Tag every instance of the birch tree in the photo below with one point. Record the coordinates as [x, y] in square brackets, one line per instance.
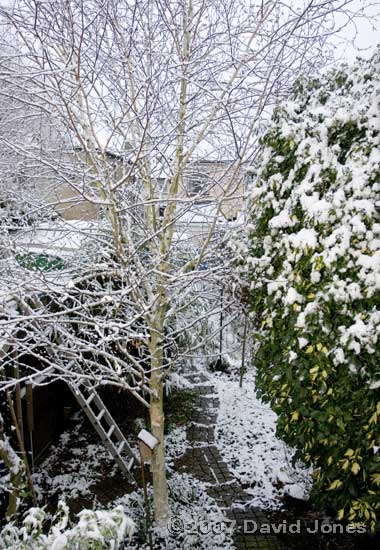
[136, 99]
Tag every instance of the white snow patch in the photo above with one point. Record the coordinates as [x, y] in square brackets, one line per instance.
[147, 438]
[306, 238]
[246, 438]
[282, 220]
[191, 508]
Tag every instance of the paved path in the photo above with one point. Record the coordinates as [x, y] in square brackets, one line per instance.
[203, 460]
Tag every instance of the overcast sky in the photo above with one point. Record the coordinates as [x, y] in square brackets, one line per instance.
[366, 33]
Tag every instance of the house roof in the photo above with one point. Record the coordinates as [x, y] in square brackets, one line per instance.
[54, 238]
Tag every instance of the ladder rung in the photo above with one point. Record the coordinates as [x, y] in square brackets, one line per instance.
[110, 431]
[100, 415]
[117, 446]
[89, 399]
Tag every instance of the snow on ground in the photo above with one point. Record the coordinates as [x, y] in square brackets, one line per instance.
[196, 520]
[175, 444]
[83, 465]
[245, 435]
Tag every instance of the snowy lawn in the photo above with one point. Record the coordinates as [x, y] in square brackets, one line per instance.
[246, 437]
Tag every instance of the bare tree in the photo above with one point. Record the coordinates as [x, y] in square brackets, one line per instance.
[143, 98]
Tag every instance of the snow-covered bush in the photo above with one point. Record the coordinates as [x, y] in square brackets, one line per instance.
[196, 521]
[312, 255]
[95, 529]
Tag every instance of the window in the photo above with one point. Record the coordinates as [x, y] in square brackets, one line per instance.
[196, 183]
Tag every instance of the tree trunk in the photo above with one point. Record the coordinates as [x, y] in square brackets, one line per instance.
[157, 421]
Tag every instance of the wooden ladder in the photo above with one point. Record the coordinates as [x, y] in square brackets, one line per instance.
[106, 427]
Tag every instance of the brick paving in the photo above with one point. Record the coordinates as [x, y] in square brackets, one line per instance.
[203, 460]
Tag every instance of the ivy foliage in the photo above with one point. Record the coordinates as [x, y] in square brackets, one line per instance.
[312, 258]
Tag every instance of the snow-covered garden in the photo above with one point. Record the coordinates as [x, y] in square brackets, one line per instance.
[189, 276]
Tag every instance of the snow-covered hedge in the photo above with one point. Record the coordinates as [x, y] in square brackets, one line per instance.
[312, 255]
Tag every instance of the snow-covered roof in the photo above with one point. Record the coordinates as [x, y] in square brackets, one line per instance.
[60, 239]
[147, 438]
[200, 213]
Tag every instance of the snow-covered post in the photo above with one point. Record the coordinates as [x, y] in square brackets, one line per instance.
[221, 329]
[243, 349]
[21, 446]
[147, 445]
[16, 471]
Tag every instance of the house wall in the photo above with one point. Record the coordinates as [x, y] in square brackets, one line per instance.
[223, 184]
[73, 200]
[72, 206]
